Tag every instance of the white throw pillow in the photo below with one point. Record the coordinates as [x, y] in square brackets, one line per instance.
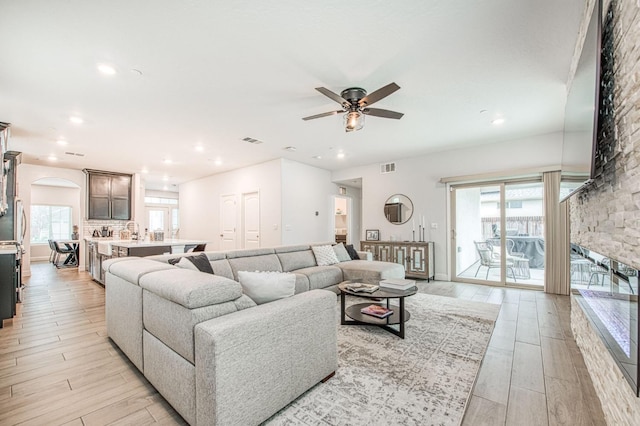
[263, 287]
[325, 255]
[186, 264]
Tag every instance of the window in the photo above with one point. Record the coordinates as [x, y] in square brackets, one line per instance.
[50, 223]
[161, 200]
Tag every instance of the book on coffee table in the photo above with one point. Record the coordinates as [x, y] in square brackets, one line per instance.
[397, 284]
[361, 287]
[376, 311]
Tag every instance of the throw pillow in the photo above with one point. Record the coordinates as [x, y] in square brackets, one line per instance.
[341, 252]
[352, 252]
[324, 255]
[197, 263]
[263, 287]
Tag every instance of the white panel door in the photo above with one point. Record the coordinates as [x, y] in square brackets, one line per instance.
[228, 219]
[251, 219]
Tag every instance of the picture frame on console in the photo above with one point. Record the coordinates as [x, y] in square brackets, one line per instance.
[372, 235]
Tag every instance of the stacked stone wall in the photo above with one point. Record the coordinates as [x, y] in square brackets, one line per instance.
[606, 216]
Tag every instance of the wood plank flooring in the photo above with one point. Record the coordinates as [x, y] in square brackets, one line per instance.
[58, 367]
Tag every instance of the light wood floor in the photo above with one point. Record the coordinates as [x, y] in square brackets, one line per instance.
[58, 367]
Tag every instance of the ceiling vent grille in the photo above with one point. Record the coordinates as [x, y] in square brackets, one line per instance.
[252, 140]
[387, 168]
[77, 154]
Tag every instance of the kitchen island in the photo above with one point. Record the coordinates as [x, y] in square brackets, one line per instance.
[101, 249]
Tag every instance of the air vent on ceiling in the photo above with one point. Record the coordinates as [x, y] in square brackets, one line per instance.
[289, 148]
[77, 154]
[252, 140]
[387, 168]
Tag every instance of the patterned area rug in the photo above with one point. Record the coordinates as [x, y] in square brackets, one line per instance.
[425, 379]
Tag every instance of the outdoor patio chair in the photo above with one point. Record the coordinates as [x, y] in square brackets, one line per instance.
[489, 259]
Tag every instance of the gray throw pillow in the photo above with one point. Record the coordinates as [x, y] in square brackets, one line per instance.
[341, 252]
[199, 262]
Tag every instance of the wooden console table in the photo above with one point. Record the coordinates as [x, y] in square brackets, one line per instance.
[416, 257]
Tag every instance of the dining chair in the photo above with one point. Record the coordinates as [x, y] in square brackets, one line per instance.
[70, 260]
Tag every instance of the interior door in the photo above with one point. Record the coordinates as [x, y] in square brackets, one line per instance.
[228, 222]
[251, 219]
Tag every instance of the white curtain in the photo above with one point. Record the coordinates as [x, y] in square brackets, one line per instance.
[556, 235]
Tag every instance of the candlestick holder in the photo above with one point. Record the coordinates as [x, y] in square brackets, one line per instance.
[414, 235]
[420, 233]
[423, 237]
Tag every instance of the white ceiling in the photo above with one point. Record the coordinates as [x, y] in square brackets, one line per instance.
[214, 72]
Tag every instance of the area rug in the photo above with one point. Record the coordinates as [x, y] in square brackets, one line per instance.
[425, 379]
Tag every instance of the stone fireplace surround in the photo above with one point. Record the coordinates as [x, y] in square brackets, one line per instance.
[605, 217]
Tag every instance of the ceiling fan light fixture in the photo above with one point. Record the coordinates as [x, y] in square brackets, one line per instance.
[353, 121]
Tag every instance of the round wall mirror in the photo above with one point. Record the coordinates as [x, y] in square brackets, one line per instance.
[398, 209]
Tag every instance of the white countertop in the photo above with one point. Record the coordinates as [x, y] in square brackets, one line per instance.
[8, 249]
[165, 242]
[105, 244]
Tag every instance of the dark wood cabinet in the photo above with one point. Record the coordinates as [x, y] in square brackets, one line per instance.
[109, 195]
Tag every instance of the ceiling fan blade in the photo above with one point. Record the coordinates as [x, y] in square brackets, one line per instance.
[384, 113]
[381, 93]
[324, 114]
[329, 94]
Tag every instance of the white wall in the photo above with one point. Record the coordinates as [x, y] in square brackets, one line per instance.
[54, 196]
[305, 191]
[199, 202]
[27, 174]
[418, 178]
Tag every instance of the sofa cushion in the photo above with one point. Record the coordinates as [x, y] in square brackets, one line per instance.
[191, 289]
[325, 255]
[264, 287]
[133, 269]
[297, 259]
[173, 323]
[353, 254]
[266, 262]
[370, 271]
[322, 276]
[341, 252]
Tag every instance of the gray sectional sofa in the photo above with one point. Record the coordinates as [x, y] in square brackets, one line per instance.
[216, 356]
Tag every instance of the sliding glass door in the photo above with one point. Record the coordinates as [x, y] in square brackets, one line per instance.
[498, 233]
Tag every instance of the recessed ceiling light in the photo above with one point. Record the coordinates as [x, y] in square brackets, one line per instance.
[218, 162]
[165, 187]
[199, 148]
[76, 120]
[52, 158]
[62, 142]
[136, 71]
[317, 157]
[144, 171]
[289, 148]
[165, 178]
[340, 155]
[167, 161]
[106, 69]
[498, 121]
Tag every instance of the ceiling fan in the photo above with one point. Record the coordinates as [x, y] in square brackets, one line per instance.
[355, 104]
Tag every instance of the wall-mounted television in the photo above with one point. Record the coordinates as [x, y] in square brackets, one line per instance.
[582, 111]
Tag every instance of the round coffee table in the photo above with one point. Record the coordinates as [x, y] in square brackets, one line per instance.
[399, 317]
